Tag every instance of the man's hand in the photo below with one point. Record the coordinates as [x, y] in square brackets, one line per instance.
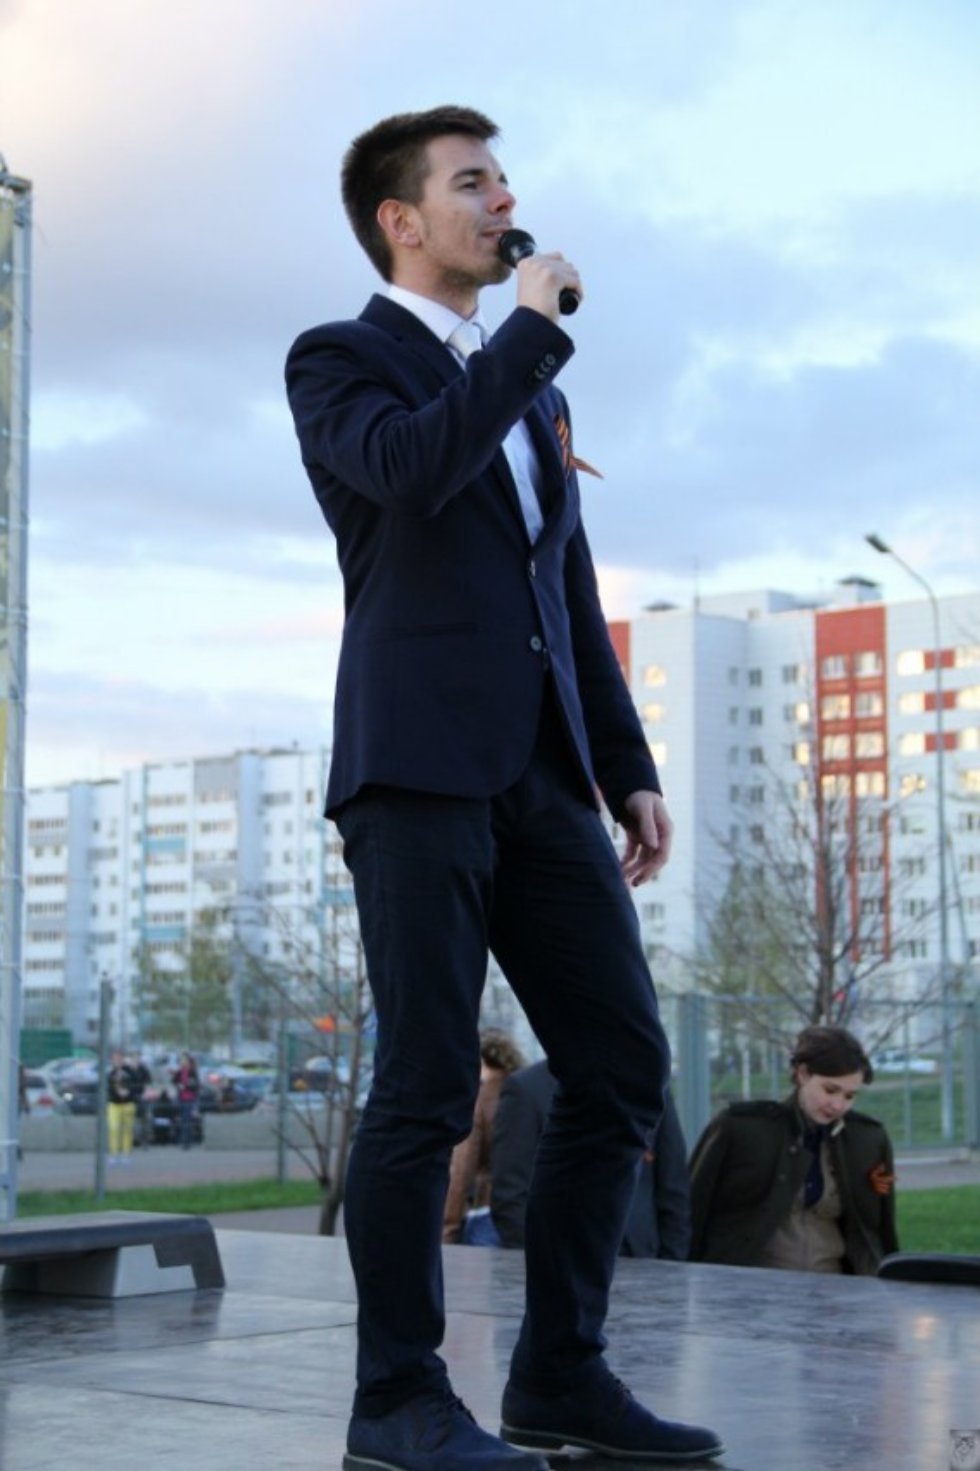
[648, 833]
[541, 280]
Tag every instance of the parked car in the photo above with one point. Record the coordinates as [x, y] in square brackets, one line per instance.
[79, 1093]
[42, 1096]
[897, 1060]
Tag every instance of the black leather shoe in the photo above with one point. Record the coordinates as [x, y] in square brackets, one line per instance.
[601, 1415]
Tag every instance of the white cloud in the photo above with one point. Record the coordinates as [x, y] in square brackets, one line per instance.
[775, 205]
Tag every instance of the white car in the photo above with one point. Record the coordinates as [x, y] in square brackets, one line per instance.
[42, 1096]
[897, 1060]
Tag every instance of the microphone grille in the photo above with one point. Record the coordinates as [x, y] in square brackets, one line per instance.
[514, 245]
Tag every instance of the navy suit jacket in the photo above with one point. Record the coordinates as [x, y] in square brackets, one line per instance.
[453, 620]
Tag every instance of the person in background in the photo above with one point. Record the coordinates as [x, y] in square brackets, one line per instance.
[141, 1081]
[659, 1221]
[467, 1216]
[23, 1101]
[188, 1087]
[806, 1183]
[121, 1109]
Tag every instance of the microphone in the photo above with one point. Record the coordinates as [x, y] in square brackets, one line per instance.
[517, 245]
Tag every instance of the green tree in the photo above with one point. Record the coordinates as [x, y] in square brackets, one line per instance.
[187, 1003]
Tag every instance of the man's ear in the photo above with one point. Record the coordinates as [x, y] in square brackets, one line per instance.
[399, 221]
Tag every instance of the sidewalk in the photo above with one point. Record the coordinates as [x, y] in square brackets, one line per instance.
[160, 1164]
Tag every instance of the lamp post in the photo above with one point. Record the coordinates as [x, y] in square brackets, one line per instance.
[945, 989]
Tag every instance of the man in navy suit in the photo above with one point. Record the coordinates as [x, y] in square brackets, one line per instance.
[479, 709]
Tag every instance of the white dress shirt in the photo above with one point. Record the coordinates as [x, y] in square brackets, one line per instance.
[518, 446]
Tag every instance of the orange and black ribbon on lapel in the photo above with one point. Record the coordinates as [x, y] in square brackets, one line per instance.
[572, 462]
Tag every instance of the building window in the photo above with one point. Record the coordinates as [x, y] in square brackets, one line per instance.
[967, 656]
[867, 663]
[968, 698]
[654, 676]
[755, 678]
[658, 750]
[835, 707]
[757, 833]
[653, 714]
[835, 786]
[969, 739]
[732, 675]
[910, 661]
[913, 702]
[757, 756]
[836, 747]
[755, 716]
[801, 753]
[792, 674]
[869, 744]
[868, 705]
[911, 783]
[912, 743]
[834, 666]
[870, 784]
[970, 782]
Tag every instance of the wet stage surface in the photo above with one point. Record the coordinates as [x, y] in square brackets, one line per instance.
[796, 1373]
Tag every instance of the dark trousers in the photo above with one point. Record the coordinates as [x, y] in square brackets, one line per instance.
[532, 876]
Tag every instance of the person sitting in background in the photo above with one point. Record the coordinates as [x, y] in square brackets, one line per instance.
[466, 1218]
[805, 1184]
[659, 1221]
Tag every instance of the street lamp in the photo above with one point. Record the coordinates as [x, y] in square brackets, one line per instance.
[945, 989]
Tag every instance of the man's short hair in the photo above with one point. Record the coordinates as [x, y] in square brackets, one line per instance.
[389, 161]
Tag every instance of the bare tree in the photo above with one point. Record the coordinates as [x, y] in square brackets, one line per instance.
[315, 997]
[809, 919]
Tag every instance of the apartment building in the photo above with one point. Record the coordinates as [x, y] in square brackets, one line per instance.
[116, 867]
[742, 698]
[749, 697]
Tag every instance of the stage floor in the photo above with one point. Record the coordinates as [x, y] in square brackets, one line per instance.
[797, 1373]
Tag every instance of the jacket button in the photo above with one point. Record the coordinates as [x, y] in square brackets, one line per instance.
[536, 644]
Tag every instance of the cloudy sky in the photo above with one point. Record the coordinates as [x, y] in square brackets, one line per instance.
[775, 205]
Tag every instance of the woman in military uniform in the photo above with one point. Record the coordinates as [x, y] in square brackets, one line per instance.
[805, 1184]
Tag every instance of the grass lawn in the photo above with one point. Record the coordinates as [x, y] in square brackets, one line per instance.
[197, 1200]
[940, 1220]
[928, 1220]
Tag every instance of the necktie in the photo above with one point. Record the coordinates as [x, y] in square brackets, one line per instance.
[466, 339]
